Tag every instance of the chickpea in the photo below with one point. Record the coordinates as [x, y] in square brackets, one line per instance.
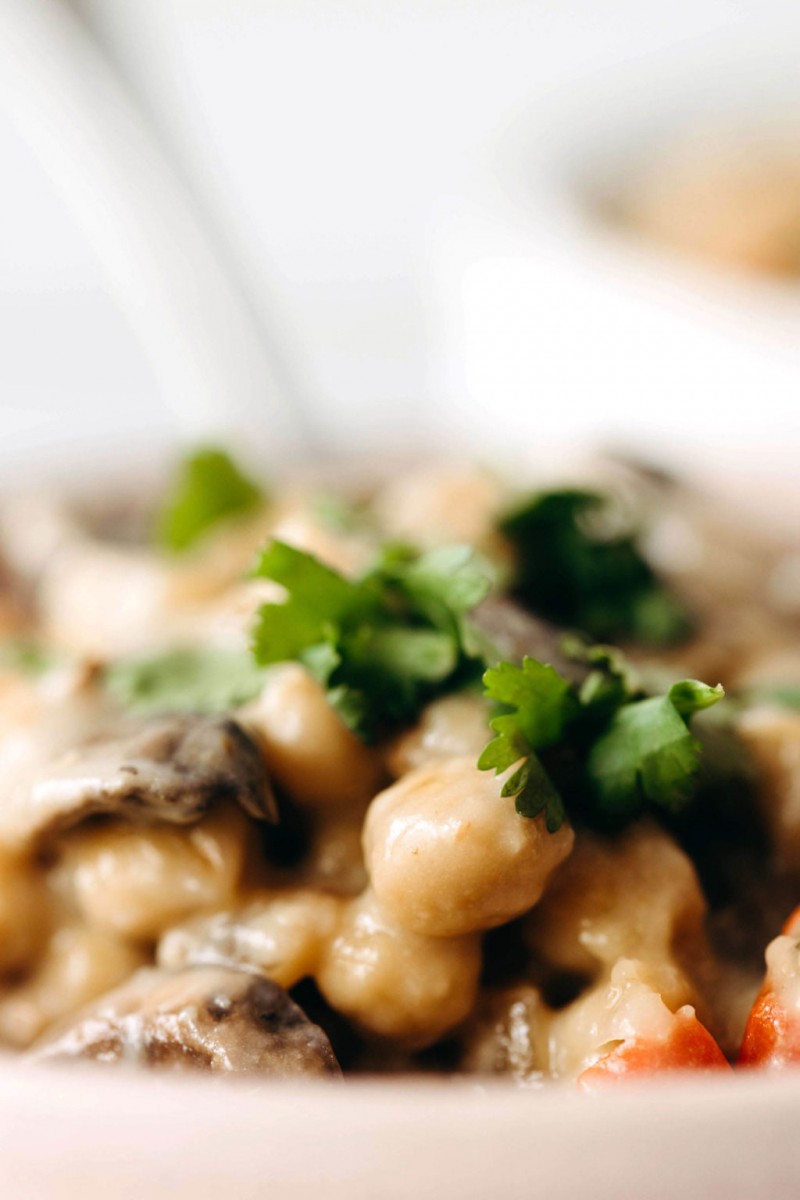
[772, 735]
[12, 617]
[134, 881]
[78, 965]
[101, 599]
[625, 1026]
[310, 752]
[449, 727]
[21, 704]
[429, 506]
[24, 912]
[298, 525]
[282, 933]
[217, 562]
[395, 983]
[335, 859]
[447, 854]
[635, 897]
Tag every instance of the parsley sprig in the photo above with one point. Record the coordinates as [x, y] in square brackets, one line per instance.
[575, 566]
[602, 749]
[381, 645]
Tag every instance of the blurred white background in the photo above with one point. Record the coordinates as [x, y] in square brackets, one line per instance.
[365, 167]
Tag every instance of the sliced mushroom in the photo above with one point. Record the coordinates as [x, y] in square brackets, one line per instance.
[168, 769]
[214, 1018]
[507, 1035]
[514, 633]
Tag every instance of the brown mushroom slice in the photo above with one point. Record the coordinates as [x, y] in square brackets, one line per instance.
[507, 1035]
[168, 769]
[514, 633]
[214, 1018]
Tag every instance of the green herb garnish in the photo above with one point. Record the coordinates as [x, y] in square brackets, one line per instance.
[647, 754]
[382, 645]
[340, 514]
[208, 487]
[606, 750]
[540, 705]
[576, 569]
[28, 656]
[185, 679]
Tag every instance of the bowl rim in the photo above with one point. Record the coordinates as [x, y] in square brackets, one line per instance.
[731, 1137]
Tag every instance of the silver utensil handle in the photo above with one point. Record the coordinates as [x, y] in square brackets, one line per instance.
[202, 342]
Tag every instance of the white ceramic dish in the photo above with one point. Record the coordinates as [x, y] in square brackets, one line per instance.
[81, 1133]
[84, 1134]
[549, 308]
[610, 342]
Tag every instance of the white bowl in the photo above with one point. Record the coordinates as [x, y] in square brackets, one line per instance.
[81, 1132]
[565, 330]
[550, 310]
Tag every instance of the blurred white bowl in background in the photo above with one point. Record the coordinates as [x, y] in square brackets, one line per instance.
[561, 323]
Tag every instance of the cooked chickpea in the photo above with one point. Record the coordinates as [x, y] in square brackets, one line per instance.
[12, 618]
[284, 934]
[134, 881]
[626, 1007]
[78, 965]
[335, 860]
[636, 897]
[772, 735]
[449, 727]
[310, 752]
[447, 854]
[371, 895]
[298, 525]
[100, 599]
[217, 562]
[23, 912]
[395, 983]
[429, 506]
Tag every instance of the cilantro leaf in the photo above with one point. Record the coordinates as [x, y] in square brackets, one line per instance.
[648, 754]
[319, 598]
[340, 514]
[609, 749]
[536, 793]
[542, 702]
[575, 568]
[28, 656]
[208, 486]
[185, 679]
[690, 696]
[540, 705]
[445, 583]
[382, 645]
